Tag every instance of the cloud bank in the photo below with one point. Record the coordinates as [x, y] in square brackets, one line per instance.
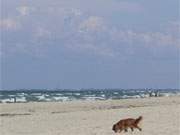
[37, 29]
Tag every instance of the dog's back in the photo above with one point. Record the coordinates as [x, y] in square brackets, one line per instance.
[127, 123]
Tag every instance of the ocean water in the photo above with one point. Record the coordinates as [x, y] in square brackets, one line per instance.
[11, 96]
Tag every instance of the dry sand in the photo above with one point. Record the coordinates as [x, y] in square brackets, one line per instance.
[161, 117]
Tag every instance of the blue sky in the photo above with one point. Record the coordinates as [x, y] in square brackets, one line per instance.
[89, 44]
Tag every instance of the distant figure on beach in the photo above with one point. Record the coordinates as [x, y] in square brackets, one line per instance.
[124, 124]
[14, 99]
[157, 93]
[154, 93]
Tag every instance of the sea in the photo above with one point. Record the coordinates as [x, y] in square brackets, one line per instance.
[63, 95]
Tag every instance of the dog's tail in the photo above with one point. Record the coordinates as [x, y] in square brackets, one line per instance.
[138, 119]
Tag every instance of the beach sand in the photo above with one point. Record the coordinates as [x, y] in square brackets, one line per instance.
[161, 117]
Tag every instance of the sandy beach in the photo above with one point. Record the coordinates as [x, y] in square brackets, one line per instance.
[161, 117]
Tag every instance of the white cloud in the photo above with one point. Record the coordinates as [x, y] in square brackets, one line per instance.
[173, 28]
[93, 23]
[158, 39]
[147, 39]
[81, 31]
[42, 32]
[76, 12]
[9, 24]
[24, 10]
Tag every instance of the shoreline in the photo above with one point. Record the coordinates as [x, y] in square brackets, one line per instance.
[89, 95]
[94, 117]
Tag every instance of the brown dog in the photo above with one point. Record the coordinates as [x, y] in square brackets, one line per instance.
[124, 124]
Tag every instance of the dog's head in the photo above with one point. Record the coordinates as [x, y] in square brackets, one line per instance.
[115, 128]
[140, 117]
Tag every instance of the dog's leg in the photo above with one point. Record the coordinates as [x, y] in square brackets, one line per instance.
[125, 129]
[120, 130]
[136, 126]
[139, 128]
[132, 129]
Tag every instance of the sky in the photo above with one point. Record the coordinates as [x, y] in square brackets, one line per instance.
[49, 44]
